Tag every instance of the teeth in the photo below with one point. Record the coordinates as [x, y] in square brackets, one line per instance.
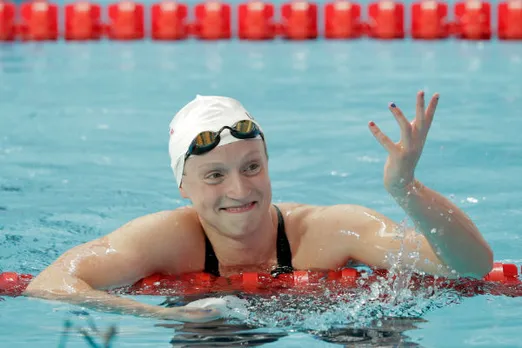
[240, 207]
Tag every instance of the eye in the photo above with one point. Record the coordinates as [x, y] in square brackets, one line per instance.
[253, 168]
[214, 177]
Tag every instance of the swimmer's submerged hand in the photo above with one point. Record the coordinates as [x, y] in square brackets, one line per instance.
[188, 314]
[403, 156]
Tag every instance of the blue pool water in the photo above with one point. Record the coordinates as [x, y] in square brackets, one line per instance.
[83, 149]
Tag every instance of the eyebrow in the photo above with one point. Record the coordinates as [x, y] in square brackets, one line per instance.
[211, 164]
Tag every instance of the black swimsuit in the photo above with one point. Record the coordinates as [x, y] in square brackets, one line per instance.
[284, 254]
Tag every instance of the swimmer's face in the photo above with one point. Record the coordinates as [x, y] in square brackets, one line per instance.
[229, 186]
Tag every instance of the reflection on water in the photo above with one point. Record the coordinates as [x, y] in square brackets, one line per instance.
[350, 319]
[219, 334]
[387, 333]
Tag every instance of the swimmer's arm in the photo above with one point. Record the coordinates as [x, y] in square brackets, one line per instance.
[63, 280]
[448, 229]
[357, 233]
[369, 237]
[132, 252]
[85, 295]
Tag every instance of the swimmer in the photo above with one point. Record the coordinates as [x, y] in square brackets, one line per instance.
[220, 162]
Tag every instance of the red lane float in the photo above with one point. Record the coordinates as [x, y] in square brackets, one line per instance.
[39, 21]
[7, 21]
[299, 20]
[126, 21]
[212, 21]
[503, 280]
[255, 21]
[386, 20]
[168, 19]
[473, 20]
[342, 20]
[83, 21]
[510, 20]
[429, 20]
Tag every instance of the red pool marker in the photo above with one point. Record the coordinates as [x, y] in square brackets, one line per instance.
[126, 21]
[299, 20]
[212, 21]
[473, 20]
[429, 20]
[255, 21]
[169, 20]
[509, 20]
[342, 20]
[7, 21]
[504, 273]
[39, 21]
[502, 280]
[386, 19]
[83, 21]
[13, 284]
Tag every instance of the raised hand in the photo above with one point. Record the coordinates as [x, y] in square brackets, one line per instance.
[403, 156]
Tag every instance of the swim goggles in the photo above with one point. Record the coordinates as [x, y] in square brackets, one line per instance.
[207, 140]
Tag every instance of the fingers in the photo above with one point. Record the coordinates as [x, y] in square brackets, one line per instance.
[430, 112]
[403, 123]
[195, 315]
[381, 137]
[419, 112]
[422, 122]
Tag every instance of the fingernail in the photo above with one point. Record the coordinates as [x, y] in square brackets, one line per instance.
[392, 105]
[372, 123]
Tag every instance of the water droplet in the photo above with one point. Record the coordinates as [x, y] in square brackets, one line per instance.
[350, 233]
[414, 255]
[471, 200]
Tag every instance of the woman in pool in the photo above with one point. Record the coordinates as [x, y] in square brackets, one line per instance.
[218, 155]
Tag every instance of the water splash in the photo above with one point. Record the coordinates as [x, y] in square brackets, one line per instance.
[376, 298]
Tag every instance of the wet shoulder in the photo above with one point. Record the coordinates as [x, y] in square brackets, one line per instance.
[178, 236]
[304, 218]
[294, 215]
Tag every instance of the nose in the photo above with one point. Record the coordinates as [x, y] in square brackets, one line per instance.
[239, 187]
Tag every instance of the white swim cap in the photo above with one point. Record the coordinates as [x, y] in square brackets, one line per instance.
[204, 113]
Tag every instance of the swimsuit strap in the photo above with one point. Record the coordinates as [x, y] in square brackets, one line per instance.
[211, 261]
[284, 253]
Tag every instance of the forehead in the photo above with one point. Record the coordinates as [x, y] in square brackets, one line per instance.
[229, 153]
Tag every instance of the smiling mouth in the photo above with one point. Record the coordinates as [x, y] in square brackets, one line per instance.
[240, 209]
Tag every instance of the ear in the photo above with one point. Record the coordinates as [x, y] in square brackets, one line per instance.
[182, 192]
